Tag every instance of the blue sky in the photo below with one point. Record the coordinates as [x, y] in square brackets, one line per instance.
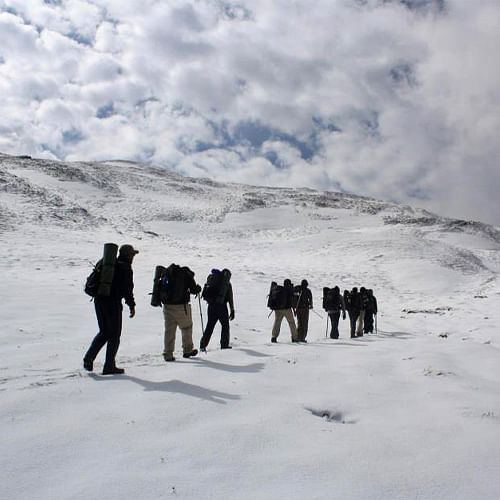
[396, 99]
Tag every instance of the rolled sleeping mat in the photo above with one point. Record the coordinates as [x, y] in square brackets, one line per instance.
[108, 269]
[156, 293]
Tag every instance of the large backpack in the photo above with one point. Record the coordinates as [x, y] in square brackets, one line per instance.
[277, 297]
[212, 286]
[171, 286]
[216, 286]
[331, 300]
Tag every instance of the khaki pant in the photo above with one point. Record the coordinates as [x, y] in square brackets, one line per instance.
[178, 315]
[361, 320]
[279, 314]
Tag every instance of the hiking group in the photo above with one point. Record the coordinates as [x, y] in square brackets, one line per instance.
[111, 281]
[288, 301]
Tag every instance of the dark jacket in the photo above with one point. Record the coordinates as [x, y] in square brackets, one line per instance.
[122, 286]
[305, 300]
[354, 303]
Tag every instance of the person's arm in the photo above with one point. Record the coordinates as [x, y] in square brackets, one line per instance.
[230, 301]
[128, 288]
[194, 288]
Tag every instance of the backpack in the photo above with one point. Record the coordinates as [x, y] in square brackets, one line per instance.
[212, 286]
[93, 280]
[277, 297]
[174, 284]
[331, 300]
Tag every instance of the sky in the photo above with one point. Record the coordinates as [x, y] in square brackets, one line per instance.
[394, 99]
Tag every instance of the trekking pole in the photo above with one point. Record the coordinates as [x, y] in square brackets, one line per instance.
[326, 332]
[317, 314]
[376, 331]
[201, 315]
[270, 313]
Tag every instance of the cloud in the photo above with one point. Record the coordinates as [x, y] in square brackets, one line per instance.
[396, 99]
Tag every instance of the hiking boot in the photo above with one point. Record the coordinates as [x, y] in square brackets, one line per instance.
[226, 346]
[194, 352]
[274, 340]
[88, 364]
[168, 358]
[203, 349]
[295, 341]
[304, 341]
[114, 370]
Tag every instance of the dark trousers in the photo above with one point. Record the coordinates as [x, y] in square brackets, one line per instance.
[216, 312]
[302, 322]
[334, 321]
[109, 319]
[368, 326]
[353, 317]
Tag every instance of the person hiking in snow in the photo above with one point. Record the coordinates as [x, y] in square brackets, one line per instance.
[283, 309]
[370, 310]
[363, 302]
[180, 284]
[304, 302]
[218, 292]
[334, 305]
[108, 310]
[353, 306]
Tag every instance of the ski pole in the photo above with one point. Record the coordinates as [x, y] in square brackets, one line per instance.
[201, 315]
[326, 332]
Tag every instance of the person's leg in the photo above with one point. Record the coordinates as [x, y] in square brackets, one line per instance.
[288, 313]
[334, 319]
[170, 328]
[211, 322]
[115, 323]
[278, 318]
[368, 323]
[305, 324]
[359, 330]
[353, 316]
[185, 322]
[224, 321]
[102, 337]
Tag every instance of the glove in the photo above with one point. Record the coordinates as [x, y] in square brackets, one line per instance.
[231, 316]
[197, 290]
[132, 312]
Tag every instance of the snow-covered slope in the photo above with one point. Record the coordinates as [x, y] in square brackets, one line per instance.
[409, 413]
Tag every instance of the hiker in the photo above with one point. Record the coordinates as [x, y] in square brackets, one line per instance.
[280, 301]
[370, 311]
[304, 302]
[180, 284]
[353, 306]
[108, 310]
[218, 292]
[363, 302]
[334, 305]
